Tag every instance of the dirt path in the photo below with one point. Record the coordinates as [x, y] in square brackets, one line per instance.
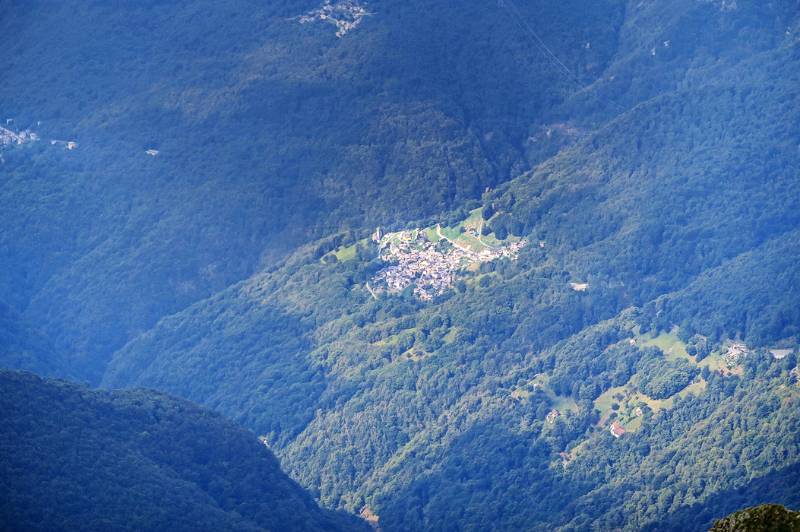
[372, 293]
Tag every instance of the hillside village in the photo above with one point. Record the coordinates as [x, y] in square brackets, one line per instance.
[346, 15]
[431, 266]
[9, 137]
[16, 137]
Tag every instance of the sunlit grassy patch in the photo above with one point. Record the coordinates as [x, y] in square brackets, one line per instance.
[628, 399]
[346, 253]
[560, 402]
[450, 337]
[672, 346]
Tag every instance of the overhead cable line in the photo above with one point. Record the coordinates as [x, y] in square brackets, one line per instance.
[512, 9]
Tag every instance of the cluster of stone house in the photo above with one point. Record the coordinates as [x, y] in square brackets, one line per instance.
[432, 269]
[418, 262]
[346, 15]
[8, 136]
[736, 351]
[69, 144]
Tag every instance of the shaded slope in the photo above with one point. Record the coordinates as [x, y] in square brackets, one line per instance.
[689, 200]
[80, 459]
[270, 134]
[22, 347]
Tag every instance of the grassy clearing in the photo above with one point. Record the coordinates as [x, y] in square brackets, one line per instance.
[629, 398]
[635, 424]
[432, 235]
[467, 233]
[559, 402]
[388, 341]
[576, 451]
[415, 354]
[654, 404]
[608, 398]
[450, 337]
[346, 253]
[696, 388]
[492, 241]
[521, 393]
[715, 362]
[672, 346]
[474, 220]
[471, 242]
[394, 338]
[451, 233]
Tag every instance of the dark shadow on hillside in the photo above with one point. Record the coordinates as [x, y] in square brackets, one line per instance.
[780, 487]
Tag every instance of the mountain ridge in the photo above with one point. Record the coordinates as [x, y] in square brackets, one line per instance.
[134, 460]
[566, 385]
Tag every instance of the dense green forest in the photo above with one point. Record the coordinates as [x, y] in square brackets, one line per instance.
[76, 459]
[654, 191]
[22, 346]
[270, 134]
[454, 438]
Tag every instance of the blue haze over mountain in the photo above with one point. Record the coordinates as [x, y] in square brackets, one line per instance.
[581, 309]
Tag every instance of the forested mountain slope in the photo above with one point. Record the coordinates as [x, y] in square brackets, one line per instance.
[632, 363]
[655, 242]
[76, 459]
[269, 133]
[24, 347]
